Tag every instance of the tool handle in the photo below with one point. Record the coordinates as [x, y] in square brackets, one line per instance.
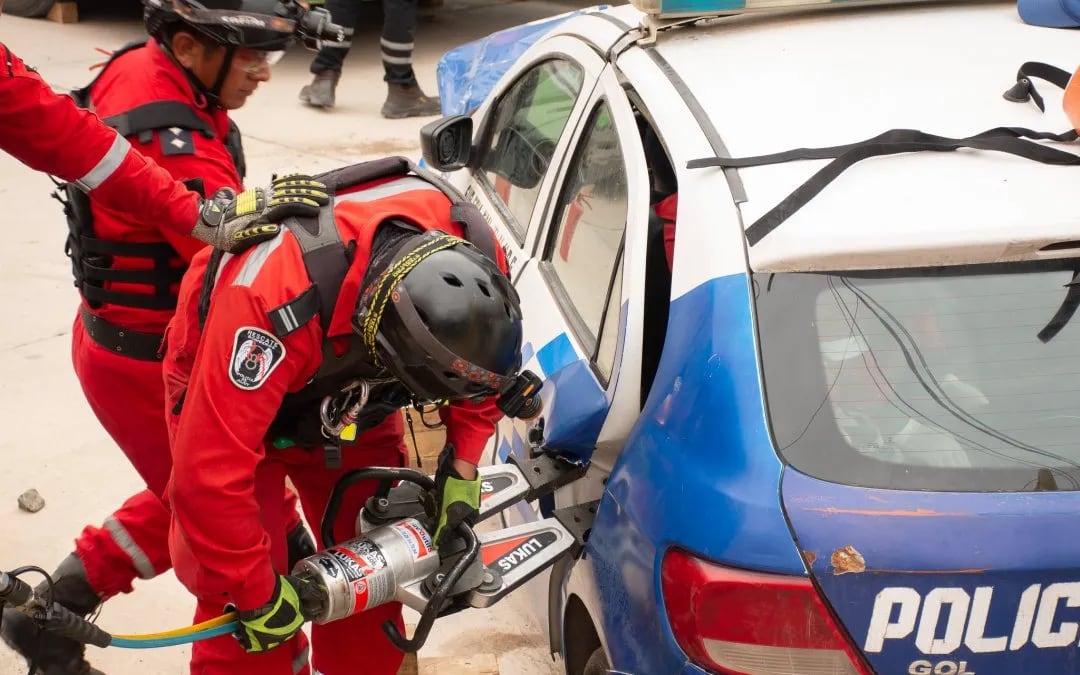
[384, 473]
[14, 592]
[438, 597]
[61, 621]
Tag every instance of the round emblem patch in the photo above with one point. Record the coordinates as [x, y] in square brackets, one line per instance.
[255, 354]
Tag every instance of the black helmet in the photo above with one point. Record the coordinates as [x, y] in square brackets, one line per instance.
[443, 319]
[264, 25]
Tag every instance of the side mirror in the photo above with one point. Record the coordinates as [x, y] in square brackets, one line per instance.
[446, 143]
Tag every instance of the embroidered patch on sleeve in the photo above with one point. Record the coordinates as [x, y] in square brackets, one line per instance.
[255, 354]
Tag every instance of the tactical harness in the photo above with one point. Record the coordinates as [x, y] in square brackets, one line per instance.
[92, 257]
[327, 260]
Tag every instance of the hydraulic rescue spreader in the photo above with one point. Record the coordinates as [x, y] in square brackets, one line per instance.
[392, 558]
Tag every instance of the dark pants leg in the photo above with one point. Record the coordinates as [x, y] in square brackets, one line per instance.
[399, 27]
[344, 13]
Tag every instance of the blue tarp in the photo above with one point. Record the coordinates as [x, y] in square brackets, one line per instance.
[466, 74]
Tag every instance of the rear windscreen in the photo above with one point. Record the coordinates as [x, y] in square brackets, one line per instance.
[959, 378]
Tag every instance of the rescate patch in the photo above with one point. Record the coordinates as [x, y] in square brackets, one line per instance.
[255, 354]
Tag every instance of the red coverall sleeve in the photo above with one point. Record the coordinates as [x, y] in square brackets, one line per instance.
[218, 445]
[48, 132]
[469, 425]
[210, 168]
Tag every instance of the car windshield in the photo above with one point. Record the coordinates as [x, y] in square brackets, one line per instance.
[960, 378]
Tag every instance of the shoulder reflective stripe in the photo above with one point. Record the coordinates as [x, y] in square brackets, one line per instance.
[255, 261]
[122, 539]
[396, 187]
[226, 257]
[107, 166]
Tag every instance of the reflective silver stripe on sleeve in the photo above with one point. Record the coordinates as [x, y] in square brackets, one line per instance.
[107, 166]
[255, 261]
[300, 661]
[122, 539]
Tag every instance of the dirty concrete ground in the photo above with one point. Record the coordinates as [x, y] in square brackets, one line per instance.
[52, 442]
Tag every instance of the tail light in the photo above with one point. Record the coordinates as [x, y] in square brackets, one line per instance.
[745, 623]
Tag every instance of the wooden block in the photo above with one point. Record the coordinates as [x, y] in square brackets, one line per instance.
[409, 666]
[478, 664]
[64, 12]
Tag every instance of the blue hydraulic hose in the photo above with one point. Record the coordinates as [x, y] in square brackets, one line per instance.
[153, 643]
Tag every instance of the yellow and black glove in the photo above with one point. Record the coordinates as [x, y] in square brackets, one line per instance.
[457, 500]
[235, 222]
[266, 627]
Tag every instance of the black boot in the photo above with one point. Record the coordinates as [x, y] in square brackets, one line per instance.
[321, 92]
[408, 100]
[55, 655]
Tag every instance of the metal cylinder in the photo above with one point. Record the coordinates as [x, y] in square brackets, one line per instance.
[366, 572]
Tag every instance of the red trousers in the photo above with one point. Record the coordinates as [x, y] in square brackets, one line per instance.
[347, 647]
[128, 397]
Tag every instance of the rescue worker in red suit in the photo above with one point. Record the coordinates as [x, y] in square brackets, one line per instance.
[49, 133]
[170, 98]
[269, 349]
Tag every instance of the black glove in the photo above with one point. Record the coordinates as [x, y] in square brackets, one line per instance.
[234, 223]
[282, 617]
[456, 500]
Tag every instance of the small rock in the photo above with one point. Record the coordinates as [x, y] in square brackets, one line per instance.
[31, 501]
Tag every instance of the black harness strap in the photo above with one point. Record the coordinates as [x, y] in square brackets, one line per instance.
[143, 120]
[1024, 89]
[1002, 139]
[475, 229]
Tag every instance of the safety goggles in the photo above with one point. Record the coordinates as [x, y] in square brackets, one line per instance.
[1071, 101]
[254, 61]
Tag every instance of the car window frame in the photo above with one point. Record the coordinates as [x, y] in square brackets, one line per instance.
[557, 47]
[545, 249]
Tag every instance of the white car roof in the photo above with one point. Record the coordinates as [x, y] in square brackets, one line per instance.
[774, 82]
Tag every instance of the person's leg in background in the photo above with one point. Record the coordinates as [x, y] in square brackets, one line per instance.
[329, 61]
[338, 646]
[404, 97]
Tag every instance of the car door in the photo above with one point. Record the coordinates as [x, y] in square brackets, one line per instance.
[582, 324]
[521, 137]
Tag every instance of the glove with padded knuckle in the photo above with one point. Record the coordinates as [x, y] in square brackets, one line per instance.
[235, 222]
[263, 628]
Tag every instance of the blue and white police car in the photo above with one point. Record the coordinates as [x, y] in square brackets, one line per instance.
[830, 404]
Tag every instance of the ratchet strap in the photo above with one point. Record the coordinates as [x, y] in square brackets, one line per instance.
[896, 141]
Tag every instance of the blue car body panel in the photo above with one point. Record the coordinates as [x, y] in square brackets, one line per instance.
[698, 471]
[946, 546]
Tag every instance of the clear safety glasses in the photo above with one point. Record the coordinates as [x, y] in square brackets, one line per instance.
[254, 61]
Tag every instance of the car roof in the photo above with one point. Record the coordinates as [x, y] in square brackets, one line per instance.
[779, 81]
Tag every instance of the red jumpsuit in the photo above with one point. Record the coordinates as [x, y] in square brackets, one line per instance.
[226, 539]
[47, 132]
[127, 394]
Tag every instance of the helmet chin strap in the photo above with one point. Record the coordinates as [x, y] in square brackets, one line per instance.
[212, 95]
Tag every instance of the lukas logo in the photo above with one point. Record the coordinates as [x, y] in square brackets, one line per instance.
[947, 619]
[526, 548]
